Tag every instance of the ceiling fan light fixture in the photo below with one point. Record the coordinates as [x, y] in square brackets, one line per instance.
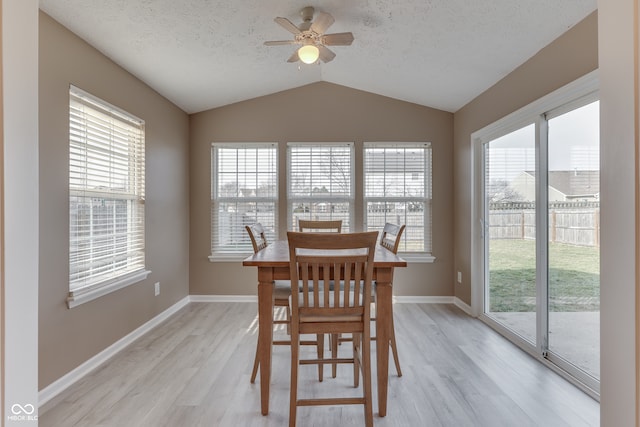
[308, 54]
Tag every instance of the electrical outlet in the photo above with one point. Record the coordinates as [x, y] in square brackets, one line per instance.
[459, 276]
[156, 288]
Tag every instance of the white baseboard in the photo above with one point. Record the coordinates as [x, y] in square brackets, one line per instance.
[396, 299]
[462, 306]
[223, 298]
[54, 389]
[62, 383]
[423, 300]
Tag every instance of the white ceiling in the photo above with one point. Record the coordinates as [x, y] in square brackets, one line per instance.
[202, 54]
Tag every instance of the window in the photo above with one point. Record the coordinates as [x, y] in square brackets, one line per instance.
[320, 185]
[397, 189]
[244, 190]
[106, 198]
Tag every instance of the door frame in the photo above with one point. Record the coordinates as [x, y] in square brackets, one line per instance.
[533, 113]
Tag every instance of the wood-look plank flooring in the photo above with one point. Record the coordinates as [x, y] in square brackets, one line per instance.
[194, 369]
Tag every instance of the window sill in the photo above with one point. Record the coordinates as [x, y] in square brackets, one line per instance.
[230, 257]
[415, 258]
[81, 296]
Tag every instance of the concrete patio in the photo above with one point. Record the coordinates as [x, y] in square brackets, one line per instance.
[575, 336]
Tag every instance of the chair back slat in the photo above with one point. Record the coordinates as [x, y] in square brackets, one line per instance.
[331, 226]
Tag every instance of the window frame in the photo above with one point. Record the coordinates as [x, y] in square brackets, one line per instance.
[85, 282]
[579, 92]
[217, 255]
[348, 199]
[426, 198]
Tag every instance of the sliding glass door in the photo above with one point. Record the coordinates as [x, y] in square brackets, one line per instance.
[573, 204]
[510, 292]
[540, 223]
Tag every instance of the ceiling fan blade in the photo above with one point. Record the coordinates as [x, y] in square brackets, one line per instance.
[294, 57]
[279, 42]
[287, 25]
[338, 39]
[322, 22]
[325, 54]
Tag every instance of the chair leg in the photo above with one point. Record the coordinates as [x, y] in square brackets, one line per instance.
[287, 317]
[256, 363]
[356, 347]
[320, 353]
[366, 379]
[293, 396]
[394, 347]
[335, 339]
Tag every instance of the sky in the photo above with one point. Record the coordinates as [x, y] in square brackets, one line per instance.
[574, 144]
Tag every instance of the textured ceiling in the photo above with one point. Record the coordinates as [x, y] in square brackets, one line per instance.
[202, 54]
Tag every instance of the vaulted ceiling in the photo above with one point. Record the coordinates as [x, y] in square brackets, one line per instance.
[202, 54]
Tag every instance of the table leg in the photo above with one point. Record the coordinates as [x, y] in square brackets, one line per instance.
[265, 333]
[383, 322]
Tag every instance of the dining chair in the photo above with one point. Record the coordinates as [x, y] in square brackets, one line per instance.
[281, 294]
[324, 226]
[315, 259]
[390, 240]
[334, 225]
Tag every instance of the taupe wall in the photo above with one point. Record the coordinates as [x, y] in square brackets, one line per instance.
[320, 112]
[69, 337]
[572, 55]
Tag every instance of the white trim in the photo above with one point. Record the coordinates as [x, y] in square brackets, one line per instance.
[229, 257]
[396, 299]
[223, 298]
[423, 299]
[21, 210]
[417, 258]
[81, 296]
[237, 145]
[463, 306]
[64, 382]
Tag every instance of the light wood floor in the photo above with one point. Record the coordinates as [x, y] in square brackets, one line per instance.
[194, 369]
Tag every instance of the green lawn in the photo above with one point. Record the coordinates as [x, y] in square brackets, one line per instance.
[574, 277]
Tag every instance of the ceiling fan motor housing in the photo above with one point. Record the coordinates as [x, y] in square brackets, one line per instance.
[307, 13]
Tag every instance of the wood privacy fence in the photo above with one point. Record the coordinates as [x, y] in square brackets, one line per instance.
[573, 223]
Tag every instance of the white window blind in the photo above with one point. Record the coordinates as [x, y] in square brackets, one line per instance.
[397, 189]
[106, 194]
[321, 182]
[244, 190]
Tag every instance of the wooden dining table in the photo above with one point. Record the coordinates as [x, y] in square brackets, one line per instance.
[273, 264]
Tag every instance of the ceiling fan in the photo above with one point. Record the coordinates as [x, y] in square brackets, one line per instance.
[311, 36]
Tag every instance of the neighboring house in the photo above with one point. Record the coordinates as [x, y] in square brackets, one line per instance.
[564, 186]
